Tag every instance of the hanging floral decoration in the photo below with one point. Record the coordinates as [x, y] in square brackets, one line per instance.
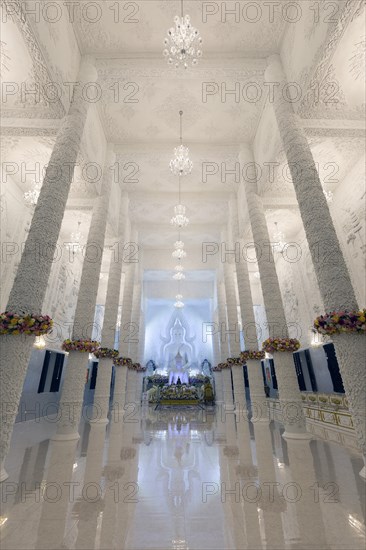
[234, 361]
[337, 322]
[15, 323]
[106, 353]
[280, 344]
[136, 367]
[224, 366]
[216, 369]
[252, 354]
[84, 346]
[122, 361]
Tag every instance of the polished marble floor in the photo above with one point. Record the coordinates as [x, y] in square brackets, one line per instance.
[179, 479]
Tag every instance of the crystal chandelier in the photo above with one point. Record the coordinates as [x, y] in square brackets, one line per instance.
[179, 303]
[179, 253]
[179, 276]
[180, 219]
[75, 240]
[31, 196]
[183, 42]
[181, 165]
[328, 195]
[279, 236]
[179, 268]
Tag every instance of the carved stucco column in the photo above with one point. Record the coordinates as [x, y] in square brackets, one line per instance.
[259, 407]
[135, 322]
[102, 387]
[30, 284]
[330, 267]
[224, 345]
[288, 388]
[127, 331]
[72, 392]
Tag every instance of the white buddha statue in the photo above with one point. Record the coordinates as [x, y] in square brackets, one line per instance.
[177, 357]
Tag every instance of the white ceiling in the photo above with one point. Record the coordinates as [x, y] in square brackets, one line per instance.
[142, 121]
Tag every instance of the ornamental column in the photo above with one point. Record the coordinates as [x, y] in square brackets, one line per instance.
[72, 392]
[232, 314]
[106, 354]
[224, 346]
[288, 388]
[259, 407]
[217, 372]
[330, 267]
[135, 322]
[30, 284]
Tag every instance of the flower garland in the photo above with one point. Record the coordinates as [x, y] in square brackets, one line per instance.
[106, 353]
[14, 323]
[122, 361]
[85, 346]
[252, 354]
[234, 361]
[137, 367]
[224, 366]
[337, 322]
[281, 344]
[216, 369]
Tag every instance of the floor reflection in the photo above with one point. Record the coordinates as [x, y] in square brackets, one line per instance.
[180, 479]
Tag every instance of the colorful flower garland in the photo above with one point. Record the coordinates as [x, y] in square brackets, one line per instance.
[136, 367]
[14, 323]
[337, 322]
[252, 354]
[216, 369]
[224, 366]
[106, 353]
[85, 346]
[122, 361]
[235, 361]
[281, 344]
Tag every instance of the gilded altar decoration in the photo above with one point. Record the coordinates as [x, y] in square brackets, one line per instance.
[15, 323]
[281, 344]
[84, 346]
[337, 322]
[106, 353]
[252, 354]
[122, 361]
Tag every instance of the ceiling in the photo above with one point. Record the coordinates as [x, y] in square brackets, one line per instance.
[224, 105]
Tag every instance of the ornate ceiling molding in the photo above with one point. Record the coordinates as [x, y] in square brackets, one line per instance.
[321, 66]
[42, 74]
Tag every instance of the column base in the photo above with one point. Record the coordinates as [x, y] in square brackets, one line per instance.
[65, 437]
[3, 474]
[104, 421]
[262, 420]
[300, 435]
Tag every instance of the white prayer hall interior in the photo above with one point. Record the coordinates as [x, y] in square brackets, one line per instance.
[183, 251]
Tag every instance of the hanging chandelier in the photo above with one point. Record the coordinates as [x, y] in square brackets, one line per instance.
[328, 195]
[183, 42]
[279, 237]
[31, 196]
[75, 240]
[179, 304]
[179, 253]
[179, 219]
[179, 276]
[179, 268]
[181, 165]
